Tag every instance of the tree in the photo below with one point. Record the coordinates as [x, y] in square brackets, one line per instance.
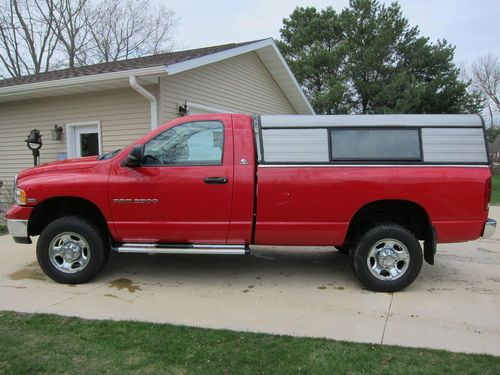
[41, 35]
[485, 77]
[132, 28]
[492, 133]
[368, 59]
[27, 42]
[71, 28]
[314, 47]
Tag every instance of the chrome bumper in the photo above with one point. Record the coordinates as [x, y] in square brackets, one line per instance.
[489, 228]
[18, 228]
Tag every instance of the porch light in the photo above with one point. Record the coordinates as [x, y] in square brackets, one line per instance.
[57, 133]
[183, 110]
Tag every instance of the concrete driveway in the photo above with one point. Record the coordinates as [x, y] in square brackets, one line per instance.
[453, 305]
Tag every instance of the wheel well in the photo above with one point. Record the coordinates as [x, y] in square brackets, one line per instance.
[51, 209]
[408, 214]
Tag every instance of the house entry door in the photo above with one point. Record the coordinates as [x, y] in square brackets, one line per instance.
[83, 140]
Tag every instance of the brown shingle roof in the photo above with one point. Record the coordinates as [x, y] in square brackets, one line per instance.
[123, 65]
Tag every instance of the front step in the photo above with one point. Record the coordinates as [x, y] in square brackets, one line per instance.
[154, 248]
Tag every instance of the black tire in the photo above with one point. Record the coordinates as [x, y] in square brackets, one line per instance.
[342, 249]
[90, 243]
[380, 238]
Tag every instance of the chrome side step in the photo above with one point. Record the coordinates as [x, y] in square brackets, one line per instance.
[153, 248]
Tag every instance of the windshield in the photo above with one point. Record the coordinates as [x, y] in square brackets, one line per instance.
[108, 155]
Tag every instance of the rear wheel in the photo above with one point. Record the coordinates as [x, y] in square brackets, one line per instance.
[387, 258]
[72, 250]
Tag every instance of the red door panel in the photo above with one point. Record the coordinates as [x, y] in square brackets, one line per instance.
[174, 203]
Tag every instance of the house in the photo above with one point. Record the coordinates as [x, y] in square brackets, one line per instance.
[99, 108]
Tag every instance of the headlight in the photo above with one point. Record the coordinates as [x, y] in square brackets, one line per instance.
[20, 196]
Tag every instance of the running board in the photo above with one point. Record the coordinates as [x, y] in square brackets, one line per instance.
[153, 248]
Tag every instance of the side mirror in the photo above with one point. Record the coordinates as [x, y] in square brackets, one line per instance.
[134, 159]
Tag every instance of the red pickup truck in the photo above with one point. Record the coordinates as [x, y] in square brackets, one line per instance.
[383, 188]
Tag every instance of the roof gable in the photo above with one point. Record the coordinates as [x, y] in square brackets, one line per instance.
[121, 65]
[111, 75]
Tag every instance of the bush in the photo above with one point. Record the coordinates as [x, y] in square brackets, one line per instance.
[6, 198]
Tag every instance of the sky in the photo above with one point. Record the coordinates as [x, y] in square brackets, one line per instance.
[471, 25]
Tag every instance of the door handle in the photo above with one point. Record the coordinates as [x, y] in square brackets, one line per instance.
[215, 180]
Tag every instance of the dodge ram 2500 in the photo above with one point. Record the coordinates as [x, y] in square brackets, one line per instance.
[383, 188]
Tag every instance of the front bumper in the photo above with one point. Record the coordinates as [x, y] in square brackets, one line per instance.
[18, 229]
[489, 228]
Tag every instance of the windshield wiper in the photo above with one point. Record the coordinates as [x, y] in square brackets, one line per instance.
[109, 155]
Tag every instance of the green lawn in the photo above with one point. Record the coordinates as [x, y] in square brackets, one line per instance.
[495, 194]
[52, 344]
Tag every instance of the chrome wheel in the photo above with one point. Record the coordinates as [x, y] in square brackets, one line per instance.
[69, 252]
[388, 259]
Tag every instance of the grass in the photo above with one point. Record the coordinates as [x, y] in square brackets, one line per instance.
[3, 229]
[495, 193]
[52, 344]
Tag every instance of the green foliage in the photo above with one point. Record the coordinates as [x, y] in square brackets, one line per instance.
[495, 192]
[492, 133]
[368, 59]
[50, 344]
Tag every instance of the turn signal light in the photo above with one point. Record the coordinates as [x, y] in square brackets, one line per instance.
[20, 197]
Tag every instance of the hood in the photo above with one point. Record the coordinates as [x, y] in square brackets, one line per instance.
[69, 164]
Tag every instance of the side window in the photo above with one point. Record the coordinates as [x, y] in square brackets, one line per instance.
[195, 143]
[375, 144]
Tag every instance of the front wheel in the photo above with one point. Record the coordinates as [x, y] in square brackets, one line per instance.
[387, 258]
[71, 250]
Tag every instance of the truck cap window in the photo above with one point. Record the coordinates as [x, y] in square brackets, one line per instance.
[195, 143]
[375, 144]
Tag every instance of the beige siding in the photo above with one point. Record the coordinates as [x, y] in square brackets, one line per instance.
[123, 113]
[240, 84]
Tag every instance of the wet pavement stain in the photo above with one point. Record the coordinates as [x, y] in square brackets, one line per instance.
[432, 290]
[482, 249]
[476, 290]
[30, 272]
[124, 284]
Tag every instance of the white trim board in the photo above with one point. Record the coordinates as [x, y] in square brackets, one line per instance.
[70, 135]
[215, 57]
[292, 77]
[156, 70]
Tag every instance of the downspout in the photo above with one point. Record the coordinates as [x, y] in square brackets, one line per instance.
[132, 80]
